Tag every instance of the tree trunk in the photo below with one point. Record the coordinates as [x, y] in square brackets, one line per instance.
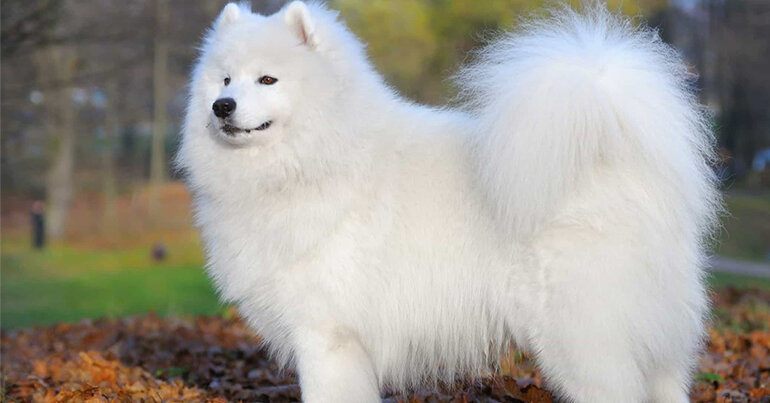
[160, 95]
[56, 66]
[111, 127]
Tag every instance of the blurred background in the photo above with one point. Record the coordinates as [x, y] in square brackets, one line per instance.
[95, 223]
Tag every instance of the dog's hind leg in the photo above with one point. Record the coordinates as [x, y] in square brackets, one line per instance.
[333, 367]
[583, 366]
[669, 386]
[585, 338]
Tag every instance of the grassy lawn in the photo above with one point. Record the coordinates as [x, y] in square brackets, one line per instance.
[95, 277]
[68, 283]
[718, 280]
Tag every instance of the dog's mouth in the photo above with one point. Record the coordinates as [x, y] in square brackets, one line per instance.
[231, 130]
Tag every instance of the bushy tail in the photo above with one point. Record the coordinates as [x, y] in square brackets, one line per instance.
[577, 92]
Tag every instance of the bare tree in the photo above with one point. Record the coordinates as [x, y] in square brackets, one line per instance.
[160, 96]
[57, 63]
[111, 127]
[727, 43]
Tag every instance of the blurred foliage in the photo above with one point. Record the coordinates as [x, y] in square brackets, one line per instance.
[417, 45]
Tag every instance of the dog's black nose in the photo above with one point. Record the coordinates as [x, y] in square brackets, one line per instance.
[223, 107]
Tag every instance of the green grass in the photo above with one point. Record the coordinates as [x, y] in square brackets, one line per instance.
[718, 280]
[65, 283]
[33, 294]
[68, 282]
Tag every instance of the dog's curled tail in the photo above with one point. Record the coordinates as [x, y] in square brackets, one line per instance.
[564, 97]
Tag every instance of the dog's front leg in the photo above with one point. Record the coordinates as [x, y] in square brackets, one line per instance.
[334, 368]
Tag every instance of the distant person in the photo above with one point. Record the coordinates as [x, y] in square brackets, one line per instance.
[38, 224]
[159, 252]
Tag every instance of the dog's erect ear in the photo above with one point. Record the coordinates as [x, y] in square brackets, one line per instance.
[230, 14]
[297, 17]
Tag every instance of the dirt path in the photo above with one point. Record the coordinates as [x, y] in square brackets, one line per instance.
[727, 265]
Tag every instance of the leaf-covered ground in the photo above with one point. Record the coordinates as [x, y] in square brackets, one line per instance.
[216, 359]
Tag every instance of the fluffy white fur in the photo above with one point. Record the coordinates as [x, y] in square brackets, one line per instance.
[373, 242]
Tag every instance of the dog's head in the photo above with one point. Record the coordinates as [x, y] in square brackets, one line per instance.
[258, 73]
[276, 98]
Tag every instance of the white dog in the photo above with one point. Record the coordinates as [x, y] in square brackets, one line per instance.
[374, 242]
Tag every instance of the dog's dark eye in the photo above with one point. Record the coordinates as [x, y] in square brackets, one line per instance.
[227, 80]
[267, 80]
